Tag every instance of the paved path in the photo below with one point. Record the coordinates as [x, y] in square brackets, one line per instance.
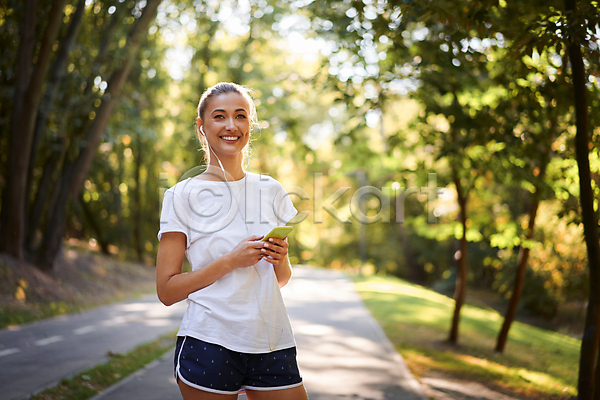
[342, 351]
[37, 355]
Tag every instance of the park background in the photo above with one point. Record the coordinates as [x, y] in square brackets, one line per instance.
[496, 102]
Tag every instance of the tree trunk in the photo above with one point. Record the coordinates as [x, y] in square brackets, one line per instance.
[12, 229]
[52, 177]
[137, 201]
[23, 124]
[117, 203]
[43, 195]
[588, 362]
[55, 75]
[76, 175]
[524, 251]
[55, 221]
[110, 99]
[520, 276]
[62, 165]
[461, 274]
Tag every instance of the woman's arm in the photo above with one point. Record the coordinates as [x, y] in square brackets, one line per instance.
[172, 285]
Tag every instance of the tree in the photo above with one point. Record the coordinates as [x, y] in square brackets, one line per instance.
[554, 30]
[24, 139]
[540, 128]
[26, 99]
[55, 76]
[448, 94]
[76, 172]
[384, 27]
[589, 366]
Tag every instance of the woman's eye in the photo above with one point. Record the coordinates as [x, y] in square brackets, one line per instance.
[241, 116]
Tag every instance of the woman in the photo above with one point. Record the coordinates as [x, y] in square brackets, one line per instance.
[235, 333]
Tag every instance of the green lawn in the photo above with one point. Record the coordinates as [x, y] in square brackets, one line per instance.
[536, 363]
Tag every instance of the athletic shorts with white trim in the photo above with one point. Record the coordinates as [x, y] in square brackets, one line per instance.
[214, 368]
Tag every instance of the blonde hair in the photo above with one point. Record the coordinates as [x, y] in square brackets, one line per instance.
[214, 91]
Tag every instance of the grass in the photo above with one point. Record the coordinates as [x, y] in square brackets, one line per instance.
[537, 364]
[94, 380]
[11, 315]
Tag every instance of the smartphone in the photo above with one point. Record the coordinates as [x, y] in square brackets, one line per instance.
[279, 232]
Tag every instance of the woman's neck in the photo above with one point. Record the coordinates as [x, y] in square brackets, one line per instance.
[233, 169]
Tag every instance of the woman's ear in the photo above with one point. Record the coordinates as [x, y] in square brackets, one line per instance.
[200, 129]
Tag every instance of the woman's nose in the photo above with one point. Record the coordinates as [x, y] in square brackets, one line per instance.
[230, 125]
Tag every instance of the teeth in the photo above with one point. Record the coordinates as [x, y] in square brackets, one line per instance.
[230, 137]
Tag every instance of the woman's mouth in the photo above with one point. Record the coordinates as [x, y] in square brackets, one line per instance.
[230, 138]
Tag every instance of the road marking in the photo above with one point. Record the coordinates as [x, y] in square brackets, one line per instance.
[116, 321]
[8, 352]
[84, 329]
[48, 340]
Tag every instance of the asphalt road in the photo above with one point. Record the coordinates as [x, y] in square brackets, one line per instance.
[37, 355]
[342, 351]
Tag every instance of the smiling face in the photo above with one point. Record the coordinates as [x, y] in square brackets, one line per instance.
[226, 124]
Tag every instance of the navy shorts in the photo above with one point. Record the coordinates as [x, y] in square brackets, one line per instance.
[214, 368]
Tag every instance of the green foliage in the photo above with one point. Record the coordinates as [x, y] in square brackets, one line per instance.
[398, 90]
[494, 105]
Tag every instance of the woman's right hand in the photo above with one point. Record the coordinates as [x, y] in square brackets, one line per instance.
[247, 252]
[173, 285]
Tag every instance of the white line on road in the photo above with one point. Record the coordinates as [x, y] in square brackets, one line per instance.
[84, 329]
[116, 321]
[7, 352]
[48, 340]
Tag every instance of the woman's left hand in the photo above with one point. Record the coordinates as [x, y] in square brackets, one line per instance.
[275, 251]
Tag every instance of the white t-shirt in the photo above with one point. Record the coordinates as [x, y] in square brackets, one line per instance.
[243, 310]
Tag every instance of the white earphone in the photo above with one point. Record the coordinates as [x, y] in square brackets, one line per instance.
[217, 157]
